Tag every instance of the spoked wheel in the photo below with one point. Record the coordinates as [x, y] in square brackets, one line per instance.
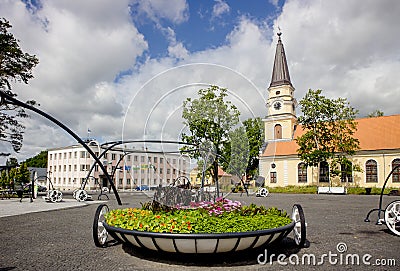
[392, 217]
[81, 195]
[299, 229]
[100, 233]
[263, 192]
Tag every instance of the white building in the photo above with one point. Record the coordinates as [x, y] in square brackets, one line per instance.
[69, 166]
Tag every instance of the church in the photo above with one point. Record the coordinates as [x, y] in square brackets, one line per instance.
[280, 165]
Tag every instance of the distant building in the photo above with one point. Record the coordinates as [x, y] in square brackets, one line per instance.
[68, 168]
[279, 163]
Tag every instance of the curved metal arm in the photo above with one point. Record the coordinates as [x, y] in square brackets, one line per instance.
[383, 189]
[8, 99]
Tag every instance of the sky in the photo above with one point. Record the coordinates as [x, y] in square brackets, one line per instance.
[122, 69]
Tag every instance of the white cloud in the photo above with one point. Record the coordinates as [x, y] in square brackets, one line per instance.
[176, 12]
[220, 8]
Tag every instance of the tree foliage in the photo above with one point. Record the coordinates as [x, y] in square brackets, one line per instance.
[15, 66]
[210, 119]
[238, 152]
[255, 135]
[375, 113]
[329, 128]
[39, 160]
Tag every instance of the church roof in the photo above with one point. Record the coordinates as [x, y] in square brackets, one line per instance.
[280, 72]
[379, 133]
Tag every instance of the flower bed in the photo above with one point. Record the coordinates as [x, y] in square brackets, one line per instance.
[223, 216]
[205, 227]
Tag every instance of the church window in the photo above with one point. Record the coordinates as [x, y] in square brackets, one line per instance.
[324, 172]
[278, 131]
[371, 171]
[302, 173]
[396, 172]
[346, 172]
[273, 177]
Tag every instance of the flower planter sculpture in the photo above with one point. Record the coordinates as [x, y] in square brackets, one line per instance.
[141, 228]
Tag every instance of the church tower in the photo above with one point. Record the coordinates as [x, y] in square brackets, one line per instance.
[281, 120]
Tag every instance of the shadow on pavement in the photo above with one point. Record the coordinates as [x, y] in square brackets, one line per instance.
[287, 247]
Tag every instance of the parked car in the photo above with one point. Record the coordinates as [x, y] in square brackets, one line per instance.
[142, 188]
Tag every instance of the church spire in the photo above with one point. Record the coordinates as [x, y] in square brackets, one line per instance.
[280, 73]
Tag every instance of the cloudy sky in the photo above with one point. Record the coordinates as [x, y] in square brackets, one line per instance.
[123, 68]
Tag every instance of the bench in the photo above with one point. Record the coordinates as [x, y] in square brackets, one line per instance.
[332, 190]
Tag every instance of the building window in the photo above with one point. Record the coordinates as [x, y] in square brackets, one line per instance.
[155, 159]
[129, 158]
[83, 154]
[75, 167]
[141, 158]
[75, 154]
[161, 160]
[65, 155]
[396, 172]
[346, 172]
[273, 177]
[302, 173]
[55, 156]
[371, 171]
[51, 156]
[113, 156]
[278, 131]
[65, 168]
[324, 172]
[70, 155]
[120, 181]
[135, 158]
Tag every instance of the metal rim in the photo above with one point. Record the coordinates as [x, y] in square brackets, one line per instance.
[81, 195]
[100, 233]
[392, 217]
[299, 229]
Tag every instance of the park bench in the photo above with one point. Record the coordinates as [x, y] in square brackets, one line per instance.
[332, 190]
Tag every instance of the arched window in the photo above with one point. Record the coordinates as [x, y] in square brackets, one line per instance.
[396, 172]
[346, 172]
[324, 172]
[278, 131]
[371, 171]
[302, 173]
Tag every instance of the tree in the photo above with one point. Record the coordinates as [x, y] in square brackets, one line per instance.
[375, 113]
[238, 152]
[15, 66]
[210, 118]
[329, 128]
[40, 160]
[255, 135]
[23, 174]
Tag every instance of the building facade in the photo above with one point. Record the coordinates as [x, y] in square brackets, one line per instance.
[280, 165]
[68, 168]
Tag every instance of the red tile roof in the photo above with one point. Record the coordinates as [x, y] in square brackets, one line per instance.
[379, 133]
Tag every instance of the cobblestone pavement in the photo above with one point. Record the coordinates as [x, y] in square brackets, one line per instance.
[61, 239]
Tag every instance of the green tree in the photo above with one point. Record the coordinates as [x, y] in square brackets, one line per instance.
[329, 128]
[255, 135]
[15, 66]
[23, 174]
[210, 119]
[39, 160]
[375, 113]
[238, 152]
